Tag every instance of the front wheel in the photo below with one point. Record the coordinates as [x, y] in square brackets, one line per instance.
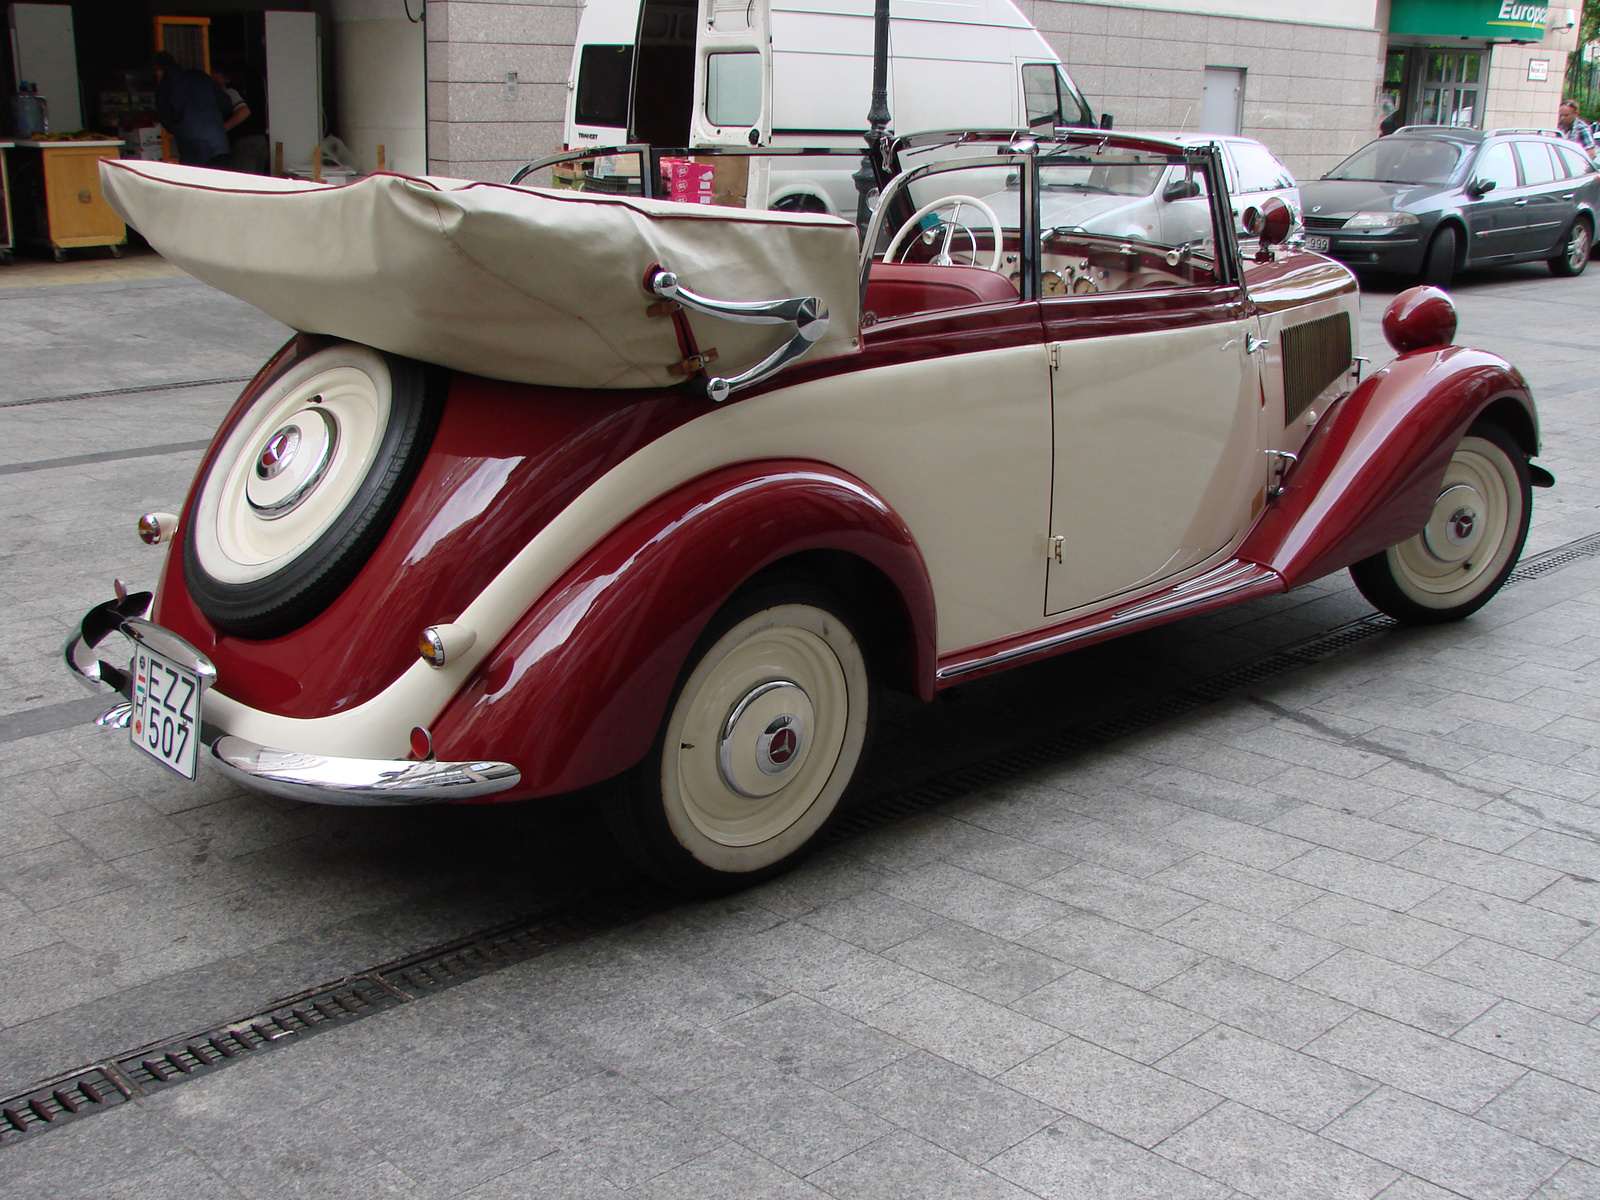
[758, 746]
[1439, 268]
[1471, 543]
[1573, 256]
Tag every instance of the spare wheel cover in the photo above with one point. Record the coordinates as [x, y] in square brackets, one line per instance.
[304, 487]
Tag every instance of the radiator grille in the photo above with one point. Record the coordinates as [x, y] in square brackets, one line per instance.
[1324, 224]
[1315, 354]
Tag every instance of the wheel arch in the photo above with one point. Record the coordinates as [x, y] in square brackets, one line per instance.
[1369, 474]
[576, 692]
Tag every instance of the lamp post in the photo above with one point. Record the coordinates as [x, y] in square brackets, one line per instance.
[877, 115]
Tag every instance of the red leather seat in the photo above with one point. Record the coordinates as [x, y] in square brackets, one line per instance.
[900, 289]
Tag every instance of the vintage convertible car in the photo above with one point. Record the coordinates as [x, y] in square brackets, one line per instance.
[494, 526]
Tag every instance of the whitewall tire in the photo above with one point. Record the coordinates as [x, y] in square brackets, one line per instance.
[764, 734]
[304, 486]
[1470, 544]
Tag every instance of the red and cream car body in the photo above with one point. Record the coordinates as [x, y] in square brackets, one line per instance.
[1010, 441]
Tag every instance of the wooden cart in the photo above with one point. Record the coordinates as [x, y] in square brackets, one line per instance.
[59, 203]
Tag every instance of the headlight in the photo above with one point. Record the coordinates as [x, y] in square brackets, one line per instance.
[1380, 220]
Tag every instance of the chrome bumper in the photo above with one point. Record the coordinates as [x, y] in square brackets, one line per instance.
[314, 778]
[363, 781]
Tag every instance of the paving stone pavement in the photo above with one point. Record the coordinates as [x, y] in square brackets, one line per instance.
[1333, 937]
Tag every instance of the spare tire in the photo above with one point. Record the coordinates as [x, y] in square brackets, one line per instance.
[305, 486]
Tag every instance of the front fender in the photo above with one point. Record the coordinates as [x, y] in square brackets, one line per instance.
[576, 691]
[1370, 473]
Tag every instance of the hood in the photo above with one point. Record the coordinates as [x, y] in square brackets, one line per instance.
[1341, 197]
[1095, 212]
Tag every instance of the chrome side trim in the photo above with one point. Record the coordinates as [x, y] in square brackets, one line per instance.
[1230, 577]
[807, 314]
[320, 779]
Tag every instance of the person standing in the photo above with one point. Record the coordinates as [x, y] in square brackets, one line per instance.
[192, 108]
[1575, 129]
[246, 134]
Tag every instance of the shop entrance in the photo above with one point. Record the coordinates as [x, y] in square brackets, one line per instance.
[1450, 88]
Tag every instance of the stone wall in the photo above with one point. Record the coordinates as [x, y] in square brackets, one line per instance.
[477, 128]
[1514, 100]
[1310, 90]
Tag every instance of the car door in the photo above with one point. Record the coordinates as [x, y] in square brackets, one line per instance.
[1495, 222]
[1546, 199]
[1154, 399]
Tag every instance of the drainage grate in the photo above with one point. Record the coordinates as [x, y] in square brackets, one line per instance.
[165, 1064]
[1554, 560]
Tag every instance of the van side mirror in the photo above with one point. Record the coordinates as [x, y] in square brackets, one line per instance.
[1105, 120]
[1181, 189]
[1480, 187]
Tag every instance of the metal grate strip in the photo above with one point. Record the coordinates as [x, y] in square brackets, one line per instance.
[159, 1065]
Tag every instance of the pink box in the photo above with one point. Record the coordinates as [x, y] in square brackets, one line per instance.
[689, 182]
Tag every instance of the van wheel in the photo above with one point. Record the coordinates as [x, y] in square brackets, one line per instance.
[1439, 268]
[1573, 256]
[304, 487]
[1471, 543]
[761, 739]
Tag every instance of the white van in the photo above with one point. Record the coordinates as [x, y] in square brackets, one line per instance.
[687, 73]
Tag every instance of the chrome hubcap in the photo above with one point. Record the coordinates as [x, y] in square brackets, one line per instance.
[1455, 529]
[291, 463]
[766, 738]
[1578, 247]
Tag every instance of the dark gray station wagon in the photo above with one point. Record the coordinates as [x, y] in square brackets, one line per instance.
[1431, 199]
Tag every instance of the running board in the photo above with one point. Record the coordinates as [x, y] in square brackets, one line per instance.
[1229, 583]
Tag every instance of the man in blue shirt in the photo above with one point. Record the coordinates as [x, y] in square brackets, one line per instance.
[192, 108]
[1575, 129]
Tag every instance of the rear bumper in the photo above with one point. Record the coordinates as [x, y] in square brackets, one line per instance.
[98, 654]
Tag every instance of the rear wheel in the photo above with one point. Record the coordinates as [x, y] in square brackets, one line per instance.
[758, 746]
[1573, 256]
[305, 486]
[1439, 268]
[1471, 543]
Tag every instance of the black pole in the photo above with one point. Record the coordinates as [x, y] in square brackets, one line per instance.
[877, 116]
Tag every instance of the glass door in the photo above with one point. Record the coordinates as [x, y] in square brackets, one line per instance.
[1450, 88]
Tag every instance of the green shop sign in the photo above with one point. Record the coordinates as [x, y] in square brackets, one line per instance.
[1502, 20]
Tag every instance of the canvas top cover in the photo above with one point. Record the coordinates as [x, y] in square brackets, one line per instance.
[524, 284]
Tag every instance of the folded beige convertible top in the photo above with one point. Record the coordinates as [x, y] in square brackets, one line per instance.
[516, 283]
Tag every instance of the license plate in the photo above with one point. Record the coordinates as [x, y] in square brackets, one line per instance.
[1318, 244]
[165, 722]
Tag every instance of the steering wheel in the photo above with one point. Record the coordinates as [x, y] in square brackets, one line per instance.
[914, 225]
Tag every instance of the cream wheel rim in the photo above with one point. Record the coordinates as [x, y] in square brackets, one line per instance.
[293, 464]
[1468, 538]
[764, 737]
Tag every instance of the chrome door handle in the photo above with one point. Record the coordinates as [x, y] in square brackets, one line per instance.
[1252, 343]
[1568, 195]
[1519, 203]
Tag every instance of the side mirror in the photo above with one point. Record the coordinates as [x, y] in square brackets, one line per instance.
[1480, 187]
[1181, 189]
[1105, 120]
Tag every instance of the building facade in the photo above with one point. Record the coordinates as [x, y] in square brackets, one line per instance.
[474, 88]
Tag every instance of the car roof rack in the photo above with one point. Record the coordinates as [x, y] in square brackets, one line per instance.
[1464, 132]
[1555, 133]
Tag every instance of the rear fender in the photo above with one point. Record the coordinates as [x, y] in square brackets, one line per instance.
[576, 692]
[1370, 473]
